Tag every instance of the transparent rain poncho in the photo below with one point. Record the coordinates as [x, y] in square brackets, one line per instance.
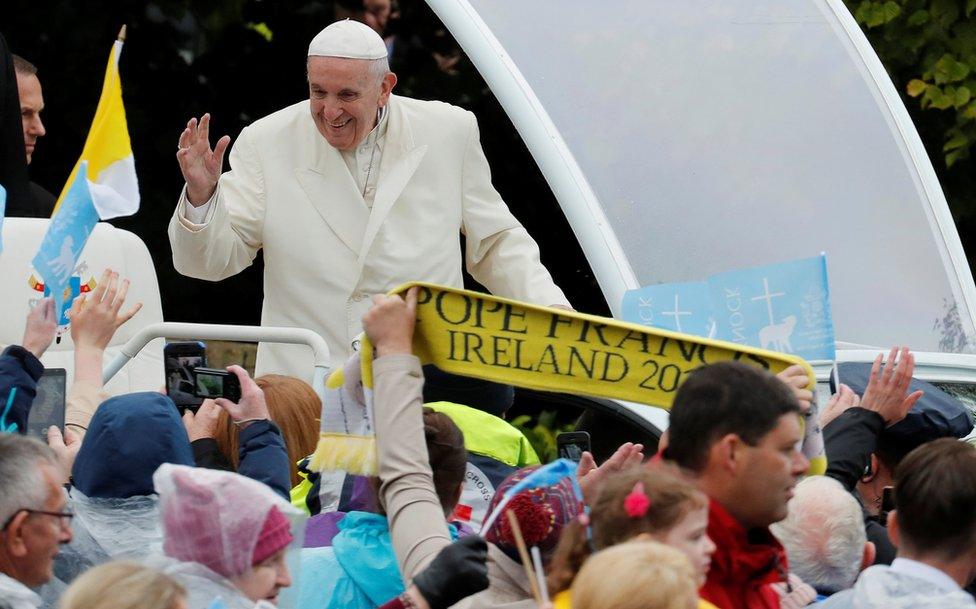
[212, 524]
[103, 530]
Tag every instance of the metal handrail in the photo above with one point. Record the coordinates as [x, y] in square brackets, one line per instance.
[185, 331]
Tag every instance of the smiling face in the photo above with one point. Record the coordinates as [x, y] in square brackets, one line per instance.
[266, 579]
[32, 539]
[31, 105]
[346, 95]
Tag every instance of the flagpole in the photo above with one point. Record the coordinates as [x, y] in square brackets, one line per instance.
[823, 255]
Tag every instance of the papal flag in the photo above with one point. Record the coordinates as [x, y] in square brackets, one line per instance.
[111, 168]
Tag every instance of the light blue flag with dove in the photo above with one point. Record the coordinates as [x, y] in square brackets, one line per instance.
[782, 307]
[66, 236]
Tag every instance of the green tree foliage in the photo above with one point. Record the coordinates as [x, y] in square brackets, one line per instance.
[541, 432]
[933, 44]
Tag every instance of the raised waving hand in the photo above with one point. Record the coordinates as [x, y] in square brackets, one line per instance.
[200, 165]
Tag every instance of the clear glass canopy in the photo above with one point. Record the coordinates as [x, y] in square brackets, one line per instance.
[721, 134]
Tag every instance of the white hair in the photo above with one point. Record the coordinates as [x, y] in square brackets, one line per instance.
[376, 68]
[379, 68]
[23, 482]
[823, 534]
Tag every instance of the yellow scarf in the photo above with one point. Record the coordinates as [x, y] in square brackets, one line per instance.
[526, 345]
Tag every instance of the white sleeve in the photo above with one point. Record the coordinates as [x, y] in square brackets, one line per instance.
[499, 253]
[232, 226]
[197, 216]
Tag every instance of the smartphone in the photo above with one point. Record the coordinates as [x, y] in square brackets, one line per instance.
[48, 406]
[572, 444]
[181, 359]
[213, 383]
[887, 504]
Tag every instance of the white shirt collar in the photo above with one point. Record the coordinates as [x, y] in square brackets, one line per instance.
[16, 594]
[929, 573]
[378, 132]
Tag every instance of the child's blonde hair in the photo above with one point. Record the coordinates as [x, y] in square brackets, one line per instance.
[636, 575]
[122, 585]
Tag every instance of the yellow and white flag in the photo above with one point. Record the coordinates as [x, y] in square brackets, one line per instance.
[111, 167]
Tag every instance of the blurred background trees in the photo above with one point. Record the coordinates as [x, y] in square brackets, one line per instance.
[240, 60]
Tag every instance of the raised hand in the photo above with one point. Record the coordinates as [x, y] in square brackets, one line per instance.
[591, 477]
[42, 323]
[390, 323]
[200, 165]
[251, 407]
[844, 399]
[95, 317]
[797, 380]
[887, 390]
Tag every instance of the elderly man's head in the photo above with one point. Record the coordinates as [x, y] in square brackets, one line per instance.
[824, 535]
[349, 80]
[31, 103]
[32, 510]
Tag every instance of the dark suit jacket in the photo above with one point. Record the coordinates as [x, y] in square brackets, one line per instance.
[13, 158]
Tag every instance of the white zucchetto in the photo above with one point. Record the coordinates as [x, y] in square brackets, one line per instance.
[349, 39]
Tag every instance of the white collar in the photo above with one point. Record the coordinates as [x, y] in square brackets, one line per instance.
[378, 131]
[12, 590]
[929, 573]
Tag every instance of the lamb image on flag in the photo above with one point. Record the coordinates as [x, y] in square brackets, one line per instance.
[783, 307]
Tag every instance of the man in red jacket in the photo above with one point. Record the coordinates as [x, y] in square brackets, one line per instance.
[737, 430]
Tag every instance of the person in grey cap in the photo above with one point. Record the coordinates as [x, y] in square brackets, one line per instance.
[349, 193]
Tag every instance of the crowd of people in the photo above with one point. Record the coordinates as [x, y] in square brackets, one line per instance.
[135, 504]
[132, 506]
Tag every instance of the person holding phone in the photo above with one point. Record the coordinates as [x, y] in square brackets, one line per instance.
[21, 368]
[260, 445]
[129, 437]
[95, 317]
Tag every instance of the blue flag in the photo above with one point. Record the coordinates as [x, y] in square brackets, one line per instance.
[66, 236]
[543, 477]
[781, 307]
[681, 307]
[546, 476]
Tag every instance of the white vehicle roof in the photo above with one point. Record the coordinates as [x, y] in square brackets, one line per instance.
[688, 138]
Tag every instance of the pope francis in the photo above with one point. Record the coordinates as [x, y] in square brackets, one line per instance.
[350, 193]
